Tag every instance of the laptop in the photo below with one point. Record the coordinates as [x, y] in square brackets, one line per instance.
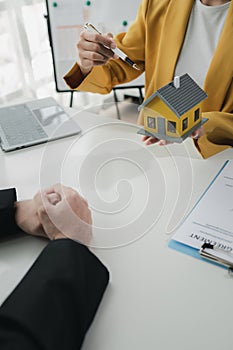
[34, 122]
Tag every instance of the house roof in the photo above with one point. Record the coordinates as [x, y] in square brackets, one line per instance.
[181, 99]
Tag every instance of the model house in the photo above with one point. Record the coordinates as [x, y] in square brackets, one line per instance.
[173, 112]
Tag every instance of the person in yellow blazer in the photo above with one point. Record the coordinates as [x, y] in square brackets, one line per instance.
[154, 41]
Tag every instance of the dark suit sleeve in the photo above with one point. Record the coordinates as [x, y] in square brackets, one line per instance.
[7, 212]
[55, 303]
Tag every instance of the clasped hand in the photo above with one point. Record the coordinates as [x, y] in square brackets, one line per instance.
[56, 212]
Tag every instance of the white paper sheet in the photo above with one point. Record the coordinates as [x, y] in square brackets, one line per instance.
[211, 220]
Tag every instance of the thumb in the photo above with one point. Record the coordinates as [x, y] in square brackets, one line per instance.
[44, 213]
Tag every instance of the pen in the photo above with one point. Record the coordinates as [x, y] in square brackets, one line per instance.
[117, 51]
[217, 254]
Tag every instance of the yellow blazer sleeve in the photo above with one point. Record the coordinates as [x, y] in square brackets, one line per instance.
[103, 78]
[218, 133]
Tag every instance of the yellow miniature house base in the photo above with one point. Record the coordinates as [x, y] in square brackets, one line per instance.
[173, 112]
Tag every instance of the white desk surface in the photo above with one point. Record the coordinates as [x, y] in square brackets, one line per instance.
[157, 298]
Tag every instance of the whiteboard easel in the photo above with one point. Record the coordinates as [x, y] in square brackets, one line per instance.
[65, 19]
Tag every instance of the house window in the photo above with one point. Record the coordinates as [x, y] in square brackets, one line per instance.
[184, 124]
[171, 126]
[151, 122]
[196, 114]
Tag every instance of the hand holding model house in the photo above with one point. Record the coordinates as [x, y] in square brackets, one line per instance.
[173, 112]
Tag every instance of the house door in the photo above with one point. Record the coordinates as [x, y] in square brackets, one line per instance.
[161, 126]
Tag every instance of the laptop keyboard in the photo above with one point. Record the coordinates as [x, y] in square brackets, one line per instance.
[20, 126]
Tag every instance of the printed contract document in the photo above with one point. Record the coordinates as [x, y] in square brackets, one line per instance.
[211, 220]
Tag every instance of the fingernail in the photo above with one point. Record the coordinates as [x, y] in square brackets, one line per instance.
[113, 45]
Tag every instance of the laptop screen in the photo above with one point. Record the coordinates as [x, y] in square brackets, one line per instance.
[51, 117]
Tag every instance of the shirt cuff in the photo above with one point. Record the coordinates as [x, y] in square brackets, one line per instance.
[7, 212]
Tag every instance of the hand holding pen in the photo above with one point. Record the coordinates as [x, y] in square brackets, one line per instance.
[115, 49]
[96, 49]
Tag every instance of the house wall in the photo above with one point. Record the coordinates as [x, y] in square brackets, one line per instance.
[190, 114]
[161, 109]
[157, 108]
